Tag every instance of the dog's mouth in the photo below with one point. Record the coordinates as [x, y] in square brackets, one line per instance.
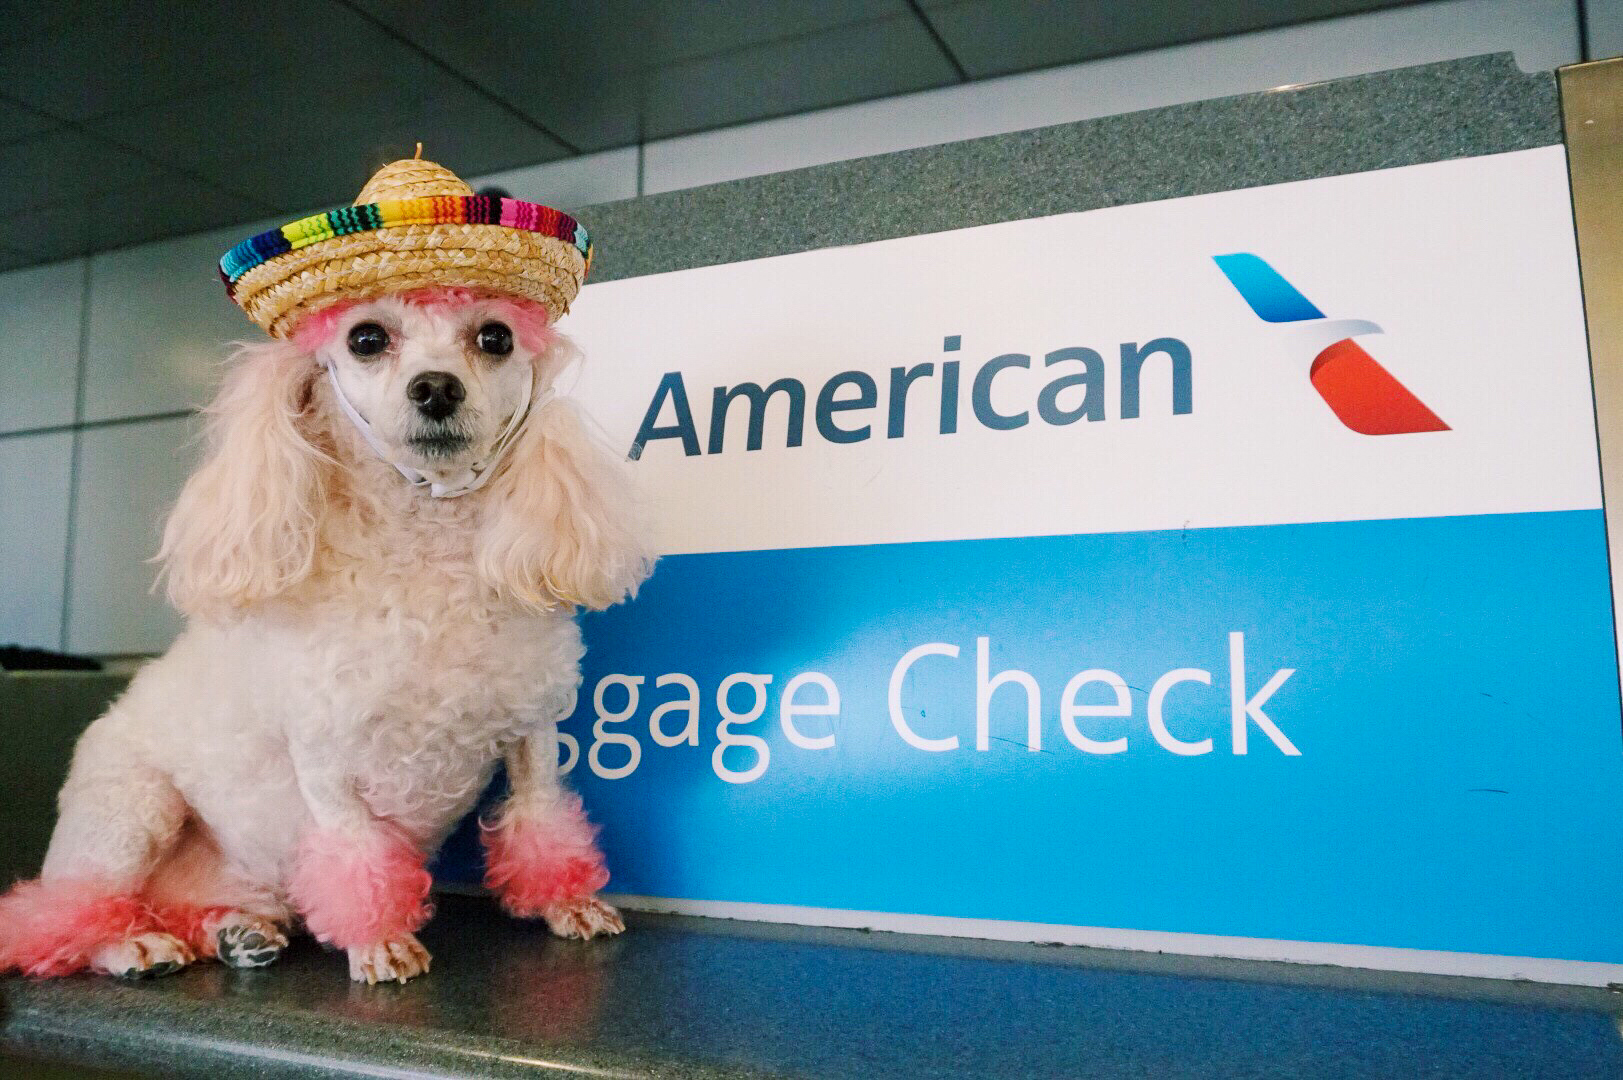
[439, 444]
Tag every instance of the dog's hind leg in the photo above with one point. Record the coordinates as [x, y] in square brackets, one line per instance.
[196, 895]
[118, 818]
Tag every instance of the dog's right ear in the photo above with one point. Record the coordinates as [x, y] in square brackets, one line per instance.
[245, 527]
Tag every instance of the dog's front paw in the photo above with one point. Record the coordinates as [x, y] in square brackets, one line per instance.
[583, 919]
[395, 960]
[144, 956]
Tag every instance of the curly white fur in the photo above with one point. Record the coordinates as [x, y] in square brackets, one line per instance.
[359, 655]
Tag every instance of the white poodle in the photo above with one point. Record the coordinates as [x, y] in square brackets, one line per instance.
[360, 655]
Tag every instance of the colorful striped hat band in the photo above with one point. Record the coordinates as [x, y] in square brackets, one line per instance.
[415, 225]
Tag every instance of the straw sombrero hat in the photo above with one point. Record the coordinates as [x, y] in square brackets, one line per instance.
[414, 224]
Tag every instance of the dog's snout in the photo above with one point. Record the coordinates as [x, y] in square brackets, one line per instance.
[436, 393]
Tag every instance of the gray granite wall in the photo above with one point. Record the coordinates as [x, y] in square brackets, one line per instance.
[1460, 108]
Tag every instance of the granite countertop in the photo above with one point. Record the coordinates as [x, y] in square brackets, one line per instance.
[683, 997]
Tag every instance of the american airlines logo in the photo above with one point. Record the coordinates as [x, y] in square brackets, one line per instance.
[1363, 394]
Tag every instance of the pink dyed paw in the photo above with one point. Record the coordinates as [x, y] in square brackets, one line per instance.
[584, 919]
[360, 888]
[545, 865]
[549, 885]
[53, 928]
[143, 956]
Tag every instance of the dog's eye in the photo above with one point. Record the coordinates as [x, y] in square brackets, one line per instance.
[368, 339]
[495, 338]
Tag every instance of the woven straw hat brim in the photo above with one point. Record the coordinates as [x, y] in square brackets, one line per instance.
[415, 224]
[279, 292]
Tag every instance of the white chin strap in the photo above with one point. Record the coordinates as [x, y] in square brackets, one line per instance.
[478, 472]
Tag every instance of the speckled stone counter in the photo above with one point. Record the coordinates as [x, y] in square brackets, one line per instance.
[700, 998]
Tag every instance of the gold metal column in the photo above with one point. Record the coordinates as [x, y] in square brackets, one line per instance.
[1592, 112]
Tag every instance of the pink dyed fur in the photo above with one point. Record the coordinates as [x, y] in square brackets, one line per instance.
[191, 924]
[314, 329]
[51, 928]
[540, 862]
[527, 319]
[360, 888]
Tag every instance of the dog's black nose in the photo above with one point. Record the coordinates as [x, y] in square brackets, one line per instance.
[436, 393]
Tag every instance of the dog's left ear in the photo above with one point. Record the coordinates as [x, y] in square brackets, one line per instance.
[564, 522]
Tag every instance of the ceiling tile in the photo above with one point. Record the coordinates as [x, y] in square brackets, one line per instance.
[170, 205]
[15, 260]
[177, 207]
[18, 121]
[850, 63]
[587, 109]
[311, 138]
[30, 17]
[59, 232]
[116, 54]
[62, 165]
[608, 35]
[996, 37]
[583, 70]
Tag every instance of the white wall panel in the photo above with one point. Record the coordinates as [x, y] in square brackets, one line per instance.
[1605, 28]
[160, 323]
[40, 310]
[34, 471]
[129, 476]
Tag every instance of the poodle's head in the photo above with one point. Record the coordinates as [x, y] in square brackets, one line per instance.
[438, 374]
[441, 378]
